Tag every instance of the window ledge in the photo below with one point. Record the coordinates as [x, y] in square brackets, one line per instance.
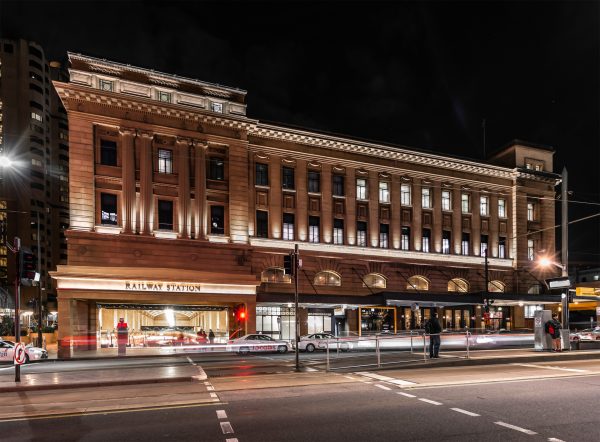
[165, 234]
[106, 229]
[218, 238]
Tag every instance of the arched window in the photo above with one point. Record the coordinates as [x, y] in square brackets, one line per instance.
[375, 281]
[417, 283]
[496, 287]
[275, 274]
[458, 285]
[329, 278]
[535, 289]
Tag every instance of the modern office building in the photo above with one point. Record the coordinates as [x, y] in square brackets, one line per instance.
[183, 208]
[34, 188]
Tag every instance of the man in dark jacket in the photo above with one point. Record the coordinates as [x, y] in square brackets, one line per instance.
[553, 329]
[433, 329]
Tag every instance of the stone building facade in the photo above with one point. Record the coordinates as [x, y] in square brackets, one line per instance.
[181, 203]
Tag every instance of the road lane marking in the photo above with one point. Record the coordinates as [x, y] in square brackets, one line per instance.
[429, 401]
[385, 378]
[383, 387]
[213, 395]
[226, 428]
[311, 369]
[514, 427]
[221, 414]
[553, 439]
[231, 440]
[406, 394]
[190, 360]
[210, 388]
[468, 413]
[347, 377]
[206, 383]
[550, 367]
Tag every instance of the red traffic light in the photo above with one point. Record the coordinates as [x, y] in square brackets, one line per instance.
[242, 314]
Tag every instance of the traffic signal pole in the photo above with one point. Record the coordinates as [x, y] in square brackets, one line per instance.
[297, 320]
[17, 250]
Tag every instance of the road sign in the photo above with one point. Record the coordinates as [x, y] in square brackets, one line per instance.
[558, 283]
[19, 355]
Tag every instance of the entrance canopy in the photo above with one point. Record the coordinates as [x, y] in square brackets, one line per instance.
[161, 307]
[428, 299]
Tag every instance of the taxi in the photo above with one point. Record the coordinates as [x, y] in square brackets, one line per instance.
[7, 351]
[257, 343]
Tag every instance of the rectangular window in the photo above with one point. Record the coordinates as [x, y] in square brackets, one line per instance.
[446, 203]
[502, 248]
[105, 85]
[288, 226]
[426, 198]
[502, 208]
[108, 152]
[338, 185]
[384, 192]
[164, 96]
[484, 206]
[216, 107]
[465, 243]
[446, 235]
[405, 194]
[530, 212]
[530, 250]
[108, 209]
[338, 231]
[384, 236]
[262, 174]
[217, 220]
[405, 238]
[361, 189]
[165, 161]
[314, 181]
[37, 117]
[216, 168]
[484, 245]
[464, 201]
[361, 234]
[287, 178]
[262, 224]
[426, 241]
[314, 224]
[165, 215]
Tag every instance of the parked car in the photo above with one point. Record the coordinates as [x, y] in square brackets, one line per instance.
[587, 334]
[318, 341]
[257, 343]
[7, 351]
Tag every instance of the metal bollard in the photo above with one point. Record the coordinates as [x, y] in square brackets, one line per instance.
[327, 368]
[337, 344]
[424, 348]
[377, 350]
[411, 343]
[467, 334]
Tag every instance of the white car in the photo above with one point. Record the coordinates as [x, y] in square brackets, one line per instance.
[318, 341]
[7, 351]
[255, 343]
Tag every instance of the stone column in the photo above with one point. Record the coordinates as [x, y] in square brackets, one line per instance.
[200, 191]
[456, 220]
[301, 201]
[127, 178]
[146, 192]
[326, 204]
[476, 223]
[275, 202]
[437, 221]
[493, 227]
[373, 197]
[417, 226]
[183, 172]
[350, 206]
[395, 216]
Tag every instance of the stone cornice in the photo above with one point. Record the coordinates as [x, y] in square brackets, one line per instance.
[70, 92]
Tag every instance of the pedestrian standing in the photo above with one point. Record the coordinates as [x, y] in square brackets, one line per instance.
[433, 329]
[553, 329]
[211, 336]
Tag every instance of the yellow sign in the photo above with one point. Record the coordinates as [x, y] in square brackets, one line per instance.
[585, 291]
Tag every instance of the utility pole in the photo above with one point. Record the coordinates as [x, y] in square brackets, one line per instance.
[486, 282]
[16, 249]
[564, 219]
[39, 270]
[296, 264]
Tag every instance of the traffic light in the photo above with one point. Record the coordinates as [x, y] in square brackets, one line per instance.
[27, 266]
[239, 312]
[288, 267]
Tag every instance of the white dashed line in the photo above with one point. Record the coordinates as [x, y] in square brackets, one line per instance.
[347, 377]
[553, 439]
[385, 378]
[213, 395]
[221, 414]
[406, 394]
[206, 383]
[226, 428]
[514, 427]
[429, 401]
[231, 440]
[190, 360]
[468, 413]
[311, 369]
[550, 367]
[383, 387]
[210, 388]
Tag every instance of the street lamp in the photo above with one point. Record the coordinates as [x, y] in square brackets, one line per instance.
[562, 282]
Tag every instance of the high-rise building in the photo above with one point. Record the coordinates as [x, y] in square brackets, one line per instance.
[34, 187]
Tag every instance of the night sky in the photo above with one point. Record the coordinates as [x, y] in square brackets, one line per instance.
[418, 74]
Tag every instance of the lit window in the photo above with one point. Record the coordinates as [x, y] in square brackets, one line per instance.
[484, 245]
[484, 206]
[165, 161]
[37, 117]
[374, 280]
[426, 240]
[405, 194]
[405, 238]
[464, 201]
[313, 228]
[446, 200]
[528, 166]
[535, 289]
[419, 283]
[458, 285]
[338, 231]
[108, 209]
[496, 287]
[446, 242]
[502, 208]
[529, 310]
[288, 226]
[530, 250]
[538, 167]
[384, 233]
[275, 275]
[384, 192]
[36, 162]
[426, 198]
[328, 278]
[465, 244]
[361, 189]
[502, 248]
[164, 96]
[361, 234]
[530, 212]
[216, 107]
[106, 85]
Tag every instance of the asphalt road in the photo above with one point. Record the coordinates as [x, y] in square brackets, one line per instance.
[533, 402]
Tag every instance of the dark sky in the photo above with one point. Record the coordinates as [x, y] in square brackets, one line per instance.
[420, 74]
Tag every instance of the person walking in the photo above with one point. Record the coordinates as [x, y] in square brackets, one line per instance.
[433, 329]
[211, 336]
[553, 329]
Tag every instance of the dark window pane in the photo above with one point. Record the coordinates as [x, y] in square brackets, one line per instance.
[314, 221]
[262, 224]
[108, 209]
[287, 179]
[108, 152]
[384, 228]
[262, 174]
[338, 223]
[338, 185]
[314, 181]
[217, 220]
[165, 215]
[216, 169]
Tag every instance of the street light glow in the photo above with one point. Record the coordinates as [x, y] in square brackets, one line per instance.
[5, 161]
[544, 261]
